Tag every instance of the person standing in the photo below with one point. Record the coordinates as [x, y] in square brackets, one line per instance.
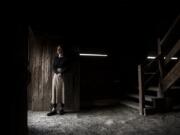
[58, 83]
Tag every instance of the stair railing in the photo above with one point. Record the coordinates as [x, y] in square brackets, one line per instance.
[160, 61]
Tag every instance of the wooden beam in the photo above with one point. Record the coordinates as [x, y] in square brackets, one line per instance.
[160, 65]
[171, 77]
[169, 32]
[141, 90]
[173, 51]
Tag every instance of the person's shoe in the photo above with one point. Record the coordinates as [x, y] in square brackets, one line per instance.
[52, 113]
[61, 112]
[53, 110]
[62, 105]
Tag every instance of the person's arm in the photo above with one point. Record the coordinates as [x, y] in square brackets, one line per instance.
[65, 66]
[54, 66]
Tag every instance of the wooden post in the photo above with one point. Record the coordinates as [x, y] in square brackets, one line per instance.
[141, 90]
[160, 60]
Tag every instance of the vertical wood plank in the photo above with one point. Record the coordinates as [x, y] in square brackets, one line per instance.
[141, 90]
[160, 64]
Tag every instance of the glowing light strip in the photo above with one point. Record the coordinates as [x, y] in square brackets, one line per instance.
[153, 57]
[90, 54]
[172, 58]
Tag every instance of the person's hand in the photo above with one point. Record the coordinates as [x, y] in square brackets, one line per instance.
[59, 74]
[59, 70]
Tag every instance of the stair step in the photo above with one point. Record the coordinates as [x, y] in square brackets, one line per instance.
[150, 73]
[132, 104]
[175, 87]
[147, 97]
[153, 89]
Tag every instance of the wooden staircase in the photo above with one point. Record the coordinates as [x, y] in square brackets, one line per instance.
[158, 76]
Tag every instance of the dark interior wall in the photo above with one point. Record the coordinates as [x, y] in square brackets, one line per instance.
[113, 76]
[96, 79]
[103, 78]
[41, 54]
[17, 94]
[13, 86]
[72, 82]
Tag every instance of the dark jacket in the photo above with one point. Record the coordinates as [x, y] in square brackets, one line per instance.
[59, 63]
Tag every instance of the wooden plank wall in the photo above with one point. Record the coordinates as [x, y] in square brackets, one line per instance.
[72, 87]
[41, 55]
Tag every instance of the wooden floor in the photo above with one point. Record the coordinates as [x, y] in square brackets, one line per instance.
[118, 120]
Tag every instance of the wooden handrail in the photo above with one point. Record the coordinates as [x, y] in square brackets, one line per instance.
[173, 51]
[171, 77]
[169, 32]
[160, 55]
[164, 40]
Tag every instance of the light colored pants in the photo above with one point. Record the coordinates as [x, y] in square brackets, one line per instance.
[57, 89]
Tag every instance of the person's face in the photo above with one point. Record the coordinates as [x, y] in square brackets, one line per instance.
[59, 50]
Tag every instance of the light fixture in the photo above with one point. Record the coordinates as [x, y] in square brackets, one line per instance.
[91, 54]
[174, 58]
[153, 57]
